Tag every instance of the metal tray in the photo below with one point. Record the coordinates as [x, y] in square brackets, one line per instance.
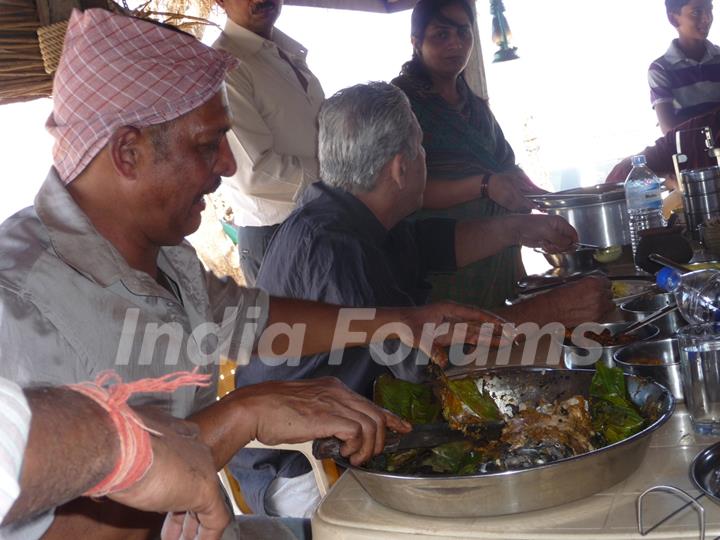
[529, 489]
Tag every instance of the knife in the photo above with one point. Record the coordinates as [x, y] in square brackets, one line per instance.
[421, 436]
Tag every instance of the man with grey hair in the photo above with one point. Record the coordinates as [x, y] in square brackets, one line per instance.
[349, 243]
[354, 152]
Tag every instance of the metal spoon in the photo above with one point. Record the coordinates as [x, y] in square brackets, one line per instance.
[647, 292]
[634, 327]
[582, 245]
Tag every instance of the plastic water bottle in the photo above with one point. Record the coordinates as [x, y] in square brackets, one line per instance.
[643, 199]
[697, 293]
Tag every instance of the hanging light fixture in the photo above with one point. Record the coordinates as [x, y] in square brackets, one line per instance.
[501, 34]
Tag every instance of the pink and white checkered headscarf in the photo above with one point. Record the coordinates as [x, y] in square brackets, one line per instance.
[120, 71]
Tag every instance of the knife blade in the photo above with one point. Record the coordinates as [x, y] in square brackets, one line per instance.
[422, 436]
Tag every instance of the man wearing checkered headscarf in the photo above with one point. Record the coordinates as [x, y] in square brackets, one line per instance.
[116, 71]
[97, 275]
[71, 267]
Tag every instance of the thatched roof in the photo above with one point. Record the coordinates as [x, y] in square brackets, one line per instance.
[23, 75]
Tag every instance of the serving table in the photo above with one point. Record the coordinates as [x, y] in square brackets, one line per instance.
[348, 512]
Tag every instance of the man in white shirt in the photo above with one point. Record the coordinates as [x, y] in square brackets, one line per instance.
[274, 100]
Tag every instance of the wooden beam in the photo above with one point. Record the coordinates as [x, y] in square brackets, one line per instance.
[377, 6]
[475, 70]
[52, 11]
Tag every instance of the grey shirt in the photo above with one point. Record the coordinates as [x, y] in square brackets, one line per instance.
[71, 307]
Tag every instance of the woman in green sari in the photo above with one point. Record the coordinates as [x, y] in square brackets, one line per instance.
[471, 167]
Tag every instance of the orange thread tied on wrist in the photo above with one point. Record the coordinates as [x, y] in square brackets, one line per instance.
[136, 454]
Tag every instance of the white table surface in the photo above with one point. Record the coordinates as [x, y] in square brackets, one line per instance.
[348, 512]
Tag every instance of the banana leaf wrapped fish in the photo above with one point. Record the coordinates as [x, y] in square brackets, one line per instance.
[532, 434]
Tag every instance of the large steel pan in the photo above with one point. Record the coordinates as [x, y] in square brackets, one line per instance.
[529, 489]
[598, 213]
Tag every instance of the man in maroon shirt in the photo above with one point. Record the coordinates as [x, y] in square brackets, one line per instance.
[659, 155]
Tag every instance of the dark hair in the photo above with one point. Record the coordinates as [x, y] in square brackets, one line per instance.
[675, 6]
[423, 14]
[427, 10]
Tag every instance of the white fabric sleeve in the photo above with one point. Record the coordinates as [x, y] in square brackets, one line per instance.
[14, 429]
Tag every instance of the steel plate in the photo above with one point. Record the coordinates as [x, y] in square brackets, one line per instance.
[528, 489]
[705, 472]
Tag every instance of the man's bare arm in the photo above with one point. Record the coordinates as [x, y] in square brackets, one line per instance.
[292, 412]
[73, 444]
[71, 447]
[666, 116]
[330, 327]
[321, 323]
[297, 411]
[480, 238]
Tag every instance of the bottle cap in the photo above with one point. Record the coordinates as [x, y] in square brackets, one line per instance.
[667, 279]
[638, 160]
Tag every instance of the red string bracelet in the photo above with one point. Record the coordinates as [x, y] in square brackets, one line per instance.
[136, 454]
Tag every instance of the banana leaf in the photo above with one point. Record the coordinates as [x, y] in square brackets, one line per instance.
[402, 462]
[463, 403]
[415, 403]
[614, 415]
[458, 457]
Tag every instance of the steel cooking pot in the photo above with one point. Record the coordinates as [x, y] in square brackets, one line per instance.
[598, 213]
[701, 197]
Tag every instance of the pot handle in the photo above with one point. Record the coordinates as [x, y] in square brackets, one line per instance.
[680, 493]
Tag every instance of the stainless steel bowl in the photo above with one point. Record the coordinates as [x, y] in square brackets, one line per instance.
[668, 373]
[639, 308]
[579, 260]
[535, 488]
[575, 356]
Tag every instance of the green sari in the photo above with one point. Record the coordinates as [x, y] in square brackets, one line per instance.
[461, 142]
